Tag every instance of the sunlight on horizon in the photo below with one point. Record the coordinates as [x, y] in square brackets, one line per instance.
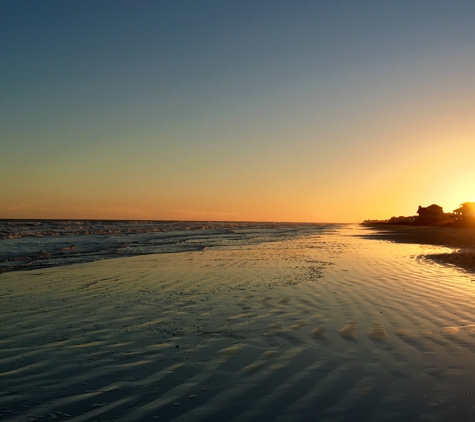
[248, 111]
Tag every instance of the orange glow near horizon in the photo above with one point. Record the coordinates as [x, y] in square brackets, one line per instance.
[258, 119]
[370, 183]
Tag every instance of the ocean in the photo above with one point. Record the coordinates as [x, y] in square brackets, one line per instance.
[33, 244]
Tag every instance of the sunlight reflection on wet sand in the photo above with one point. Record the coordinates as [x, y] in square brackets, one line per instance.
[333, 327]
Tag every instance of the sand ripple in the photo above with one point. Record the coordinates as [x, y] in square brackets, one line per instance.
[377, 332]
[319, 332]
[403, 333]
[218, 335]
[348, 331]
[450, 330]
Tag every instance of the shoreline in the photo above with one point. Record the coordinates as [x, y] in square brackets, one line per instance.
[327, 327]
[32, 245]
[460, 239]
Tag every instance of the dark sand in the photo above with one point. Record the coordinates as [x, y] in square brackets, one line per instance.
[461, 240]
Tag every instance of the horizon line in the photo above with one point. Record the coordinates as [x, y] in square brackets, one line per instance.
[172, 220]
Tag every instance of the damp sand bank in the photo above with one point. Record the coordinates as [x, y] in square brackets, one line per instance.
[460, 240]
[331, 328]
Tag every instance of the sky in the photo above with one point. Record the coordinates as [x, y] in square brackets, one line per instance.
[270, 110]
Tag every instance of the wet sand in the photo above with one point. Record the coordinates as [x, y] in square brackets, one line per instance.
[329, 328]
[461, 240]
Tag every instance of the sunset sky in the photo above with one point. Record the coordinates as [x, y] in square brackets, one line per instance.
[325, 111]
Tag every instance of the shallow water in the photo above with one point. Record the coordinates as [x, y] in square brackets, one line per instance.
[31, 244]
[328, 327]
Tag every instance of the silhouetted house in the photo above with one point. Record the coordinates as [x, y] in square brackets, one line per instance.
[432, 215]
[465, 214]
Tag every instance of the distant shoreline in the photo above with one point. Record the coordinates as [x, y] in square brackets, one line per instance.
[461, 239]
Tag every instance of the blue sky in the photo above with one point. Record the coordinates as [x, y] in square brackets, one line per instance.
[269, 110]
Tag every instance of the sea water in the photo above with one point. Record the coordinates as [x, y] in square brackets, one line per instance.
[32, 244]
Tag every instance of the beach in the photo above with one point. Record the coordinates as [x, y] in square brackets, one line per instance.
[330, 327]
[460, 239]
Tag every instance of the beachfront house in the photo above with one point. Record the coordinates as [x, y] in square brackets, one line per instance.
[432, 215]
[465, 214]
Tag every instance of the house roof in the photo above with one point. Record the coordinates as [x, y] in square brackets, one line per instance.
[433, 208]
